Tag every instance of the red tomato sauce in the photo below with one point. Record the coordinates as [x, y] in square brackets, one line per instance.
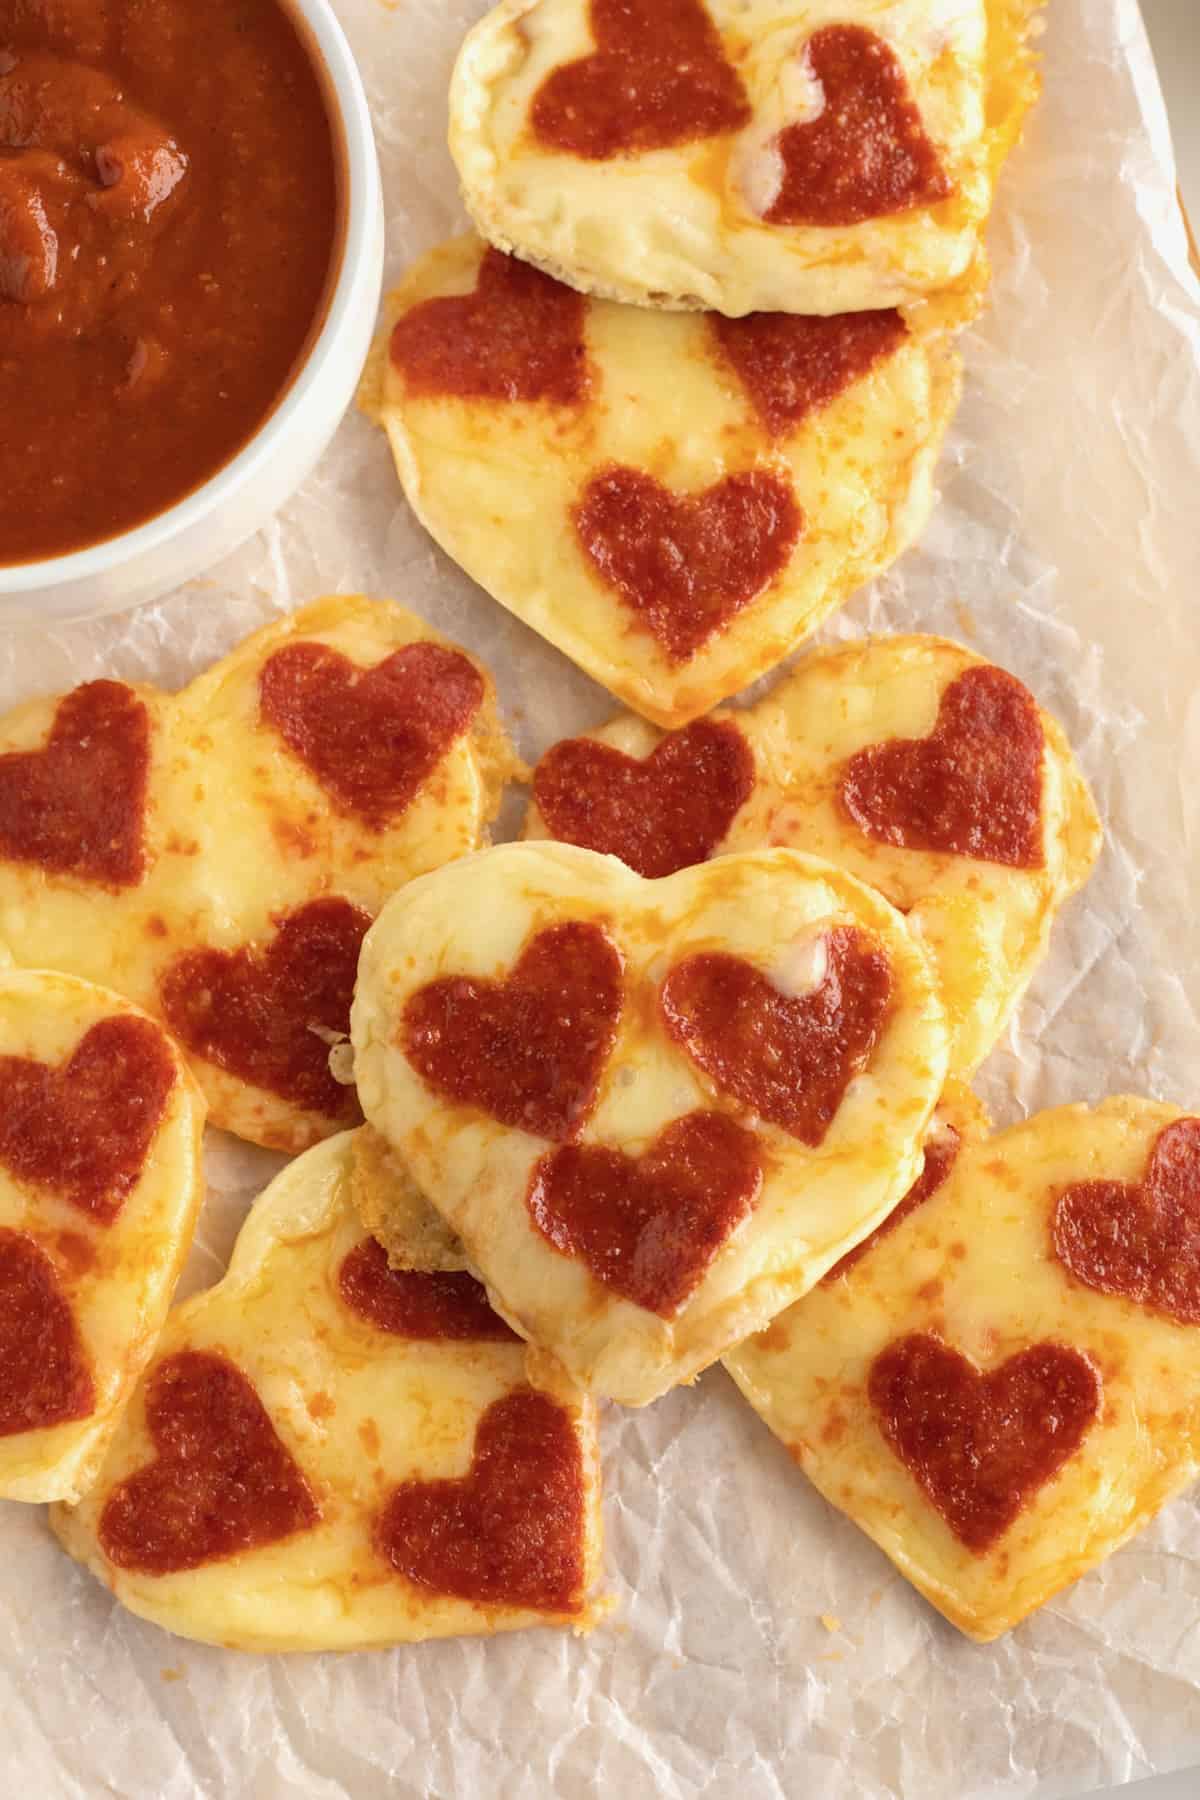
[169, 210]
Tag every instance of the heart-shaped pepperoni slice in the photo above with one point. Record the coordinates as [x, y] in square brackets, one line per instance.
[648, 1227]
[78, 806]
[981, 1446]
[973, 787]
[83, 1128]
[866, 154]
[510, 1533]
[658, 77]
[370, 736]
[789, 1059]
[265, 1014]
[44, 1376]
[519, 336]
[686, 564]
[223, 1482]
[660, 814]
[941, 1154]
[1140, 1242]
[528, 1049]
[793, 366]
[415, 1303]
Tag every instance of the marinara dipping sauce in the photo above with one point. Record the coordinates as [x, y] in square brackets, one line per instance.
[169, 216]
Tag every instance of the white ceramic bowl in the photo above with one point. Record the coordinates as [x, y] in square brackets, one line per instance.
[125, 571]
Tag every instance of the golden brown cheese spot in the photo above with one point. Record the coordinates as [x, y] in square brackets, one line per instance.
[77, 806]
[658, 77]
[222, 1482]
[511, 1531]
[686, 564]
[528, 1049]
[84, 1128]
[649, 1227]
[518, 337]
[973, 787]
[661, 813]
[982, 1446]
[44, 1375]
[940, 1157]
[793, 366]
[788, 1059]
[264, 1013]
[418, 1303]
[866, 155]
[1140, 1241]
[369, 1438]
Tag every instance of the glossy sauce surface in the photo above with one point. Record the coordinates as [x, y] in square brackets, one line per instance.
[168, 218]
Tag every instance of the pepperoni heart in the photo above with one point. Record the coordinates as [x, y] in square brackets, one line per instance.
[981, 1446]
[788, 1059]
[866, 154]
[77, 806]
[223, 1481]
[1141, 1242]
[44, 1376]
[265, 1014]
[660, 814]
[648, 1227]
[510, 1533]
[658, 77]
[370, 736]
[528, 1049]
[792, 365]
[83, 1128]
[973, 787]
[415, 1303]
[940, 1157]
[686, 564]
[519, 336]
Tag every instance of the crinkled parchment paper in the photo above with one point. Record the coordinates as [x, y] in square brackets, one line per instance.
[1066, 546]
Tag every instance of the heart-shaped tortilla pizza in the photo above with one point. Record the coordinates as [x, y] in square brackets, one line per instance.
[100, 1182]
[652, 1113]
[326, 1454]
[924, 770]
[673, 501]
[1001, 1388]
[735, 156]
[217, 855]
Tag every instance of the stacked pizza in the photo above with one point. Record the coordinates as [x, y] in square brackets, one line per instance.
[679, 1077]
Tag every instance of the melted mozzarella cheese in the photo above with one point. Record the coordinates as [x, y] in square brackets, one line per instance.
[986, 925]
[239, 832]
[473, 918]
[117, 1278]
[975, 1266]
[496, 483]
[359, 1411]
[684, 226]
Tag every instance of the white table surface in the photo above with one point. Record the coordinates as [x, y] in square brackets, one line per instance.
[1174, 27]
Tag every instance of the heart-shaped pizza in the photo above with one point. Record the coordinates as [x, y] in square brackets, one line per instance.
[327, 1454]
[912, 762]
[1001, 1388]
[674, 501]
[737, 156]
[100, 1181]
[217, 855]
[652, 1113]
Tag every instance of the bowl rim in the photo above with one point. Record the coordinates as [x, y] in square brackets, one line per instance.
[347, 100]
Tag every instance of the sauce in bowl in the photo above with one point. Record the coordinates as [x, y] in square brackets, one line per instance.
[169, 217]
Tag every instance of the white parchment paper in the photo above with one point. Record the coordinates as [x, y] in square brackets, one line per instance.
[762, 1647]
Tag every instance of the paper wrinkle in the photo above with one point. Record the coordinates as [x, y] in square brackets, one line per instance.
[1064, 546]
